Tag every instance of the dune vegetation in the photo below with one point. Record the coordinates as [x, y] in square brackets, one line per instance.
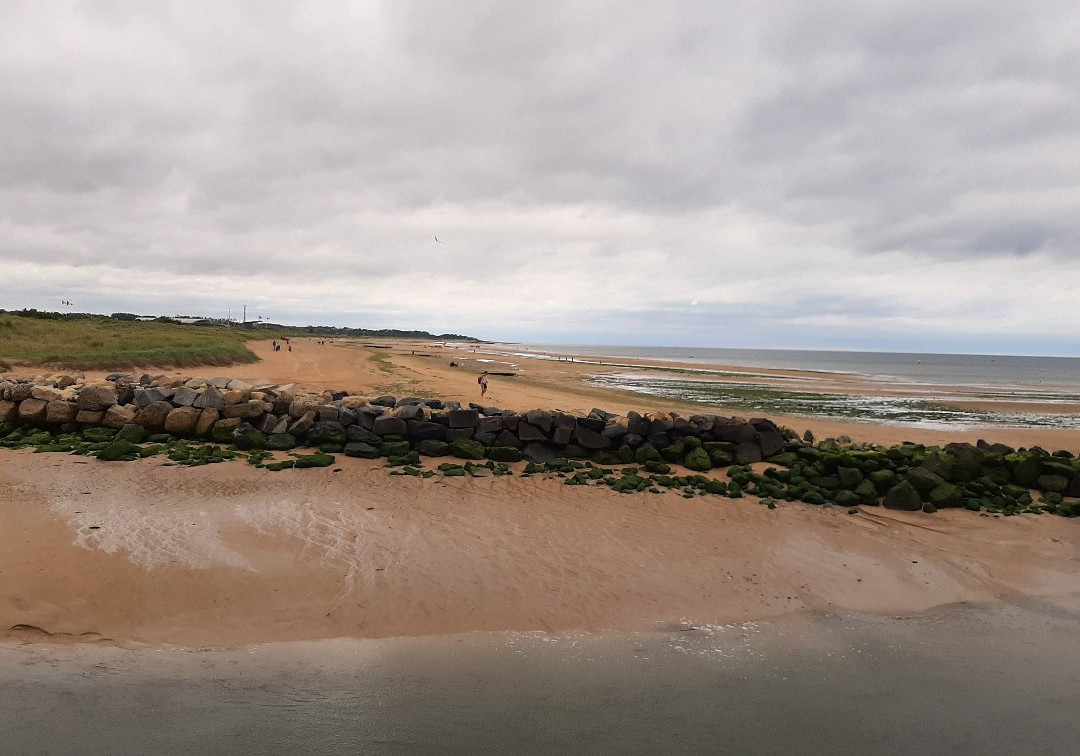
[107, 343]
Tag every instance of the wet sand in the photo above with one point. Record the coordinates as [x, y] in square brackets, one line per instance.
[145, 554]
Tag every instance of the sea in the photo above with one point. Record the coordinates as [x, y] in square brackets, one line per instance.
[909, 389]
[959, 680]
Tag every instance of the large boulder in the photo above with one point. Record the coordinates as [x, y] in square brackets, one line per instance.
[205, 423]
[527, 432]
[747, 453]
[8, 411]
[96, 398]
[591, 439]
[182, 421]
[504, 454]
[422, 430]
[464, 418]
[58, 412]
[467, 449]
[247, 437]
[303, 424]
[32, 410]
[389, 425]
[538, 452]
[248, 410]
[431, 447]
[211, 398]
[698, 460]
[118, 415]
[184, 396]
[923, 479]
[89, 417]
[19, 392]
[280, 441]
[46, 393]
[541, 419]
[326, 432]
[303, 404]
[946, 495]
[153, 415]
[903, 496]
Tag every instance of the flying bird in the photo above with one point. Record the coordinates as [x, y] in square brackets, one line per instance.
[440, 242]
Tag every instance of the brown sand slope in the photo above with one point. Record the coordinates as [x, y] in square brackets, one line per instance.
[227, 554]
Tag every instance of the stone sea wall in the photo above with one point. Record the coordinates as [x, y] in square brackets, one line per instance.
[115, 414]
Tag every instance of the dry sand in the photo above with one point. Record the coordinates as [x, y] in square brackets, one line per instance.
[225, 555]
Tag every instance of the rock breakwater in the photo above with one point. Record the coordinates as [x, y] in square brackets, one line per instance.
[111, 418]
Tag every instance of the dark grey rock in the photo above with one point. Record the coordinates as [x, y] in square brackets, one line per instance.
[507, 438]
[303, 424]
[464, 418]
[184, 397]
[422, 430]
[387, 425]
[747, 454]
[410, 412]
[527, 432]
[540, 419]
[562, 436]
[326, 432]
[358, 433]
[590, 439]
[771, 442]
[490, 424]
[538, 452]
[211, 398]
[384, 401]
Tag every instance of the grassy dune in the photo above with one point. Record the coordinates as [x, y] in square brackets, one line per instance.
[106, 344]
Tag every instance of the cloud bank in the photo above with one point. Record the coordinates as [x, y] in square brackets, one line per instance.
[882, 175]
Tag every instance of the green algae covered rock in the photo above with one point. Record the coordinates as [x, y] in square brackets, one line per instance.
[698, 460]
[903, 496]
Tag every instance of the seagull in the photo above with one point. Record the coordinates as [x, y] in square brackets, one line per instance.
[440, 242]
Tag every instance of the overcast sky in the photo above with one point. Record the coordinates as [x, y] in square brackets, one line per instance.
[855, 175]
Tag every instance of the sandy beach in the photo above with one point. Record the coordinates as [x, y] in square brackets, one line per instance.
[145, 553]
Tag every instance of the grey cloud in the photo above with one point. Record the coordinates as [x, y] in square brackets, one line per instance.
[268, 139]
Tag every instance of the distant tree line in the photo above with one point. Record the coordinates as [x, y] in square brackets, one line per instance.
[329, 331]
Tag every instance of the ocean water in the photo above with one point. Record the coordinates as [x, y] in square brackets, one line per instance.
[917, 390]
[937, 369]
[963, 680]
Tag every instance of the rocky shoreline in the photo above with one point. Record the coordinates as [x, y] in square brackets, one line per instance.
[110, 419]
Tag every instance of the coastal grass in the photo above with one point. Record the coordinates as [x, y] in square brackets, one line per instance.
[111, 344]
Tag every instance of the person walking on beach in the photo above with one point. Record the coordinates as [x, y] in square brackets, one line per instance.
[483, 381]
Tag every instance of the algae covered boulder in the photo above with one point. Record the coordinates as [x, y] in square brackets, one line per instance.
[923, 480]
[1024, 468]
[119, 449]
[946, 495]
[431, 447]
[903, 496]
[698, 460]
[246, 437]
[362, 449]
[504, 454]
[466, 448]
[280, 441]
[318, 459]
